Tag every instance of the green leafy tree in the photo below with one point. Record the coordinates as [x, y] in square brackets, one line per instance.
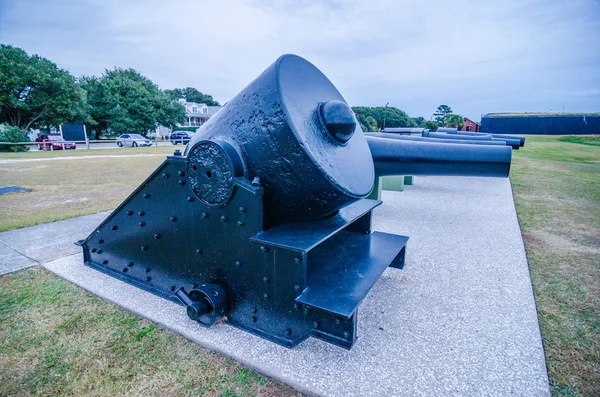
[419, 121]
[35, 93]
[394, 117]
[12, 134]
[372, 124]
[190, 94]
[440, 114]
[122, 100]
[454, 120]
[432, 125]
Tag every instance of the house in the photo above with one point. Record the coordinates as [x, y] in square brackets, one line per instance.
[198, 113]
[470, 125]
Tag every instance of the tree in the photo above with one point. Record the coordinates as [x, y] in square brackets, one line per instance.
[454, 120]
[12, 134]
[190, 94]
[419, 121]
[394, 117]
[122, 100]
[372, 124]
[441, 112]
[431, 125]
[35, 93]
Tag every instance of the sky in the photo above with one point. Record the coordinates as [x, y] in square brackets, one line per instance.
[476, 56]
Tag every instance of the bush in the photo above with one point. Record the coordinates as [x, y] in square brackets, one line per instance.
[12, 134]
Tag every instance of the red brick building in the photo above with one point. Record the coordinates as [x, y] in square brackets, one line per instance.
[470, 125]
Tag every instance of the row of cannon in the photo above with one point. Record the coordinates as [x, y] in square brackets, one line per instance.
[453, 135]
[263, 222]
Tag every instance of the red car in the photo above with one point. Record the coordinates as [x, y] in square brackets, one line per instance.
[53, 142]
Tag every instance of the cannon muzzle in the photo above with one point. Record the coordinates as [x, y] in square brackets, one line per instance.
[400, 157]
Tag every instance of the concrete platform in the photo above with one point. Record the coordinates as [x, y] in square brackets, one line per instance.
[459, 319]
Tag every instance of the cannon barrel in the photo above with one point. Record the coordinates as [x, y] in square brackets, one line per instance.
[400, 157]
[443, 135]
[514, 143]
[521, 139]
[404, 130]
[433, 140]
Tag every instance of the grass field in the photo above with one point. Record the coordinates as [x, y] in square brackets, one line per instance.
[58, 339]
[556, 186]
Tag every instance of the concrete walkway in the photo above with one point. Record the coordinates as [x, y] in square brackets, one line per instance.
[35, 245]
[459, 319]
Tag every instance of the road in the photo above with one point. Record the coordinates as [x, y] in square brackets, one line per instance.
[111, 145]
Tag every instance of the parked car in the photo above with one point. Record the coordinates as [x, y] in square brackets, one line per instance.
[133, 140]
[53, 142]
[180, 137]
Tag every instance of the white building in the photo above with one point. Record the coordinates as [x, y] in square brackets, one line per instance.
[198, 113]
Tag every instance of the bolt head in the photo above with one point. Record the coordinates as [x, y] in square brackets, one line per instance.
[338, 119]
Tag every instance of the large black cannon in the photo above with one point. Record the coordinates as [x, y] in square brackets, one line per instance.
[262, 221]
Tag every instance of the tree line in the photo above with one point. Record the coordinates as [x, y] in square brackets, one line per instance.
[36, 93]
[377, 118]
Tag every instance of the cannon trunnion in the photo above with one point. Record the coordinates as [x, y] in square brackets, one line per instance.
[261, 223]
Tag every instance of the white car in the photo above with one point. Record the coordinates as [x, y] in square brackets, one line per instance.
[133, 140]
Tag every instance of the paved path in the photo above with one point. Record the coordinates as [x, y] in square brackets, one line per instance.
[99, 156]
[35, 245]
[459, 319]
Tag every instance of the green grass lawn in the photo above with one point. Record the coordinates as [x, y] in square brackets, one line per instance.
[58, 339]
[556, 185]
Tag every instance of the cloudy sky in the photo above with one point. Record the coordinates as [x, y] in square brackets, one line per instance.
[476, 56]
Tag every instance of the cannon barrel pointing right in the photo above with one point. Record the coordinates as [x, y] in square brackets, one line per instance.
[433, 140]
[514, 143]
[403, 157]
[455, 131]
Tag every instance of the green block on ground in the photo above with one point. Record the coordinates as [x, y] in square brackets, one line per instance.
[409, 180]
[376, 192]
[395, 182]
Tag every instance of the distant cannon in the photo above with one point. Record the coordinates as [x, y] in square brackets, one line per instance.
[434, 140]
[262, 221]
[508, 138]
[514, 143]
[404, 130]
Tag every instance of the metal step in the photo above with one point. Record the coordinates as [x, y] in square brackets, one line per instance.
[343, 269]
